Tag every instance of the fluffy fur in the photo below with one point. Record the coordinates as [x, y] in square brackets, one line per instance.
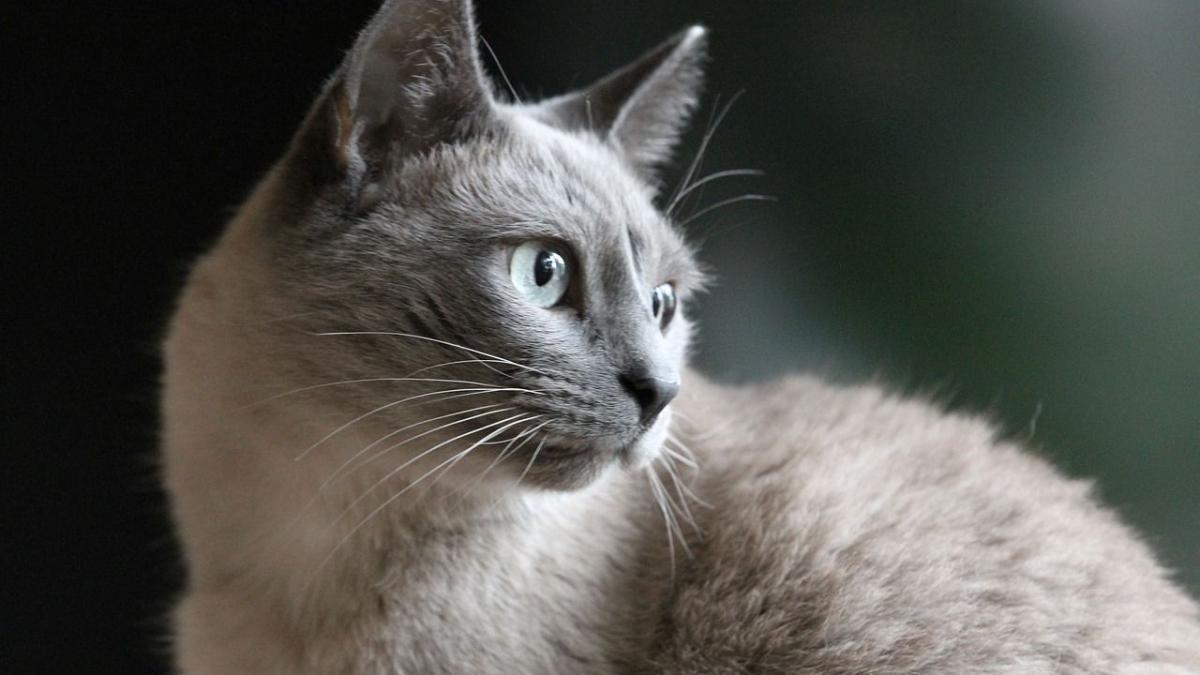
[383, 459]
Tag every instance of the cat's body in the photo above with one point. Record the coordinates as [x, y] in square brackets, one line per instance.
[383, 458]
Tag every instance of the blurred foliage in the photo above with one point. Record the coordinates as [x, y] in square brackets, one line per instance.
[996, 201]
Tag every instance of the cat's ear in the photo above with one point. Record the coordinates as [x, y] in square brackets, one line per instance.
[412, 80]
[642, 108]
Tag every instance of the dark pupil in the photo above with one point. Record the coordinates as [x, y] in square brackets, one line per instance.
[543, 268]
[656, 301]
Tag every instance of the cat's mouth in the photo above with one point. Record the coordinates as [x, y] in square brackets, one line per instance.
[564, 451]
[562, 462]
[560, 450]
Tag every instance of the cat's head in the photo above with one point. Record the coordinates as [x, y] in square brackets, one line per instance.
[456, 243]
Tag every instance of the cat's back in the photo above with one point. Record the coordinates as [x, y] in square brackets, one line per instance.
[854, 531]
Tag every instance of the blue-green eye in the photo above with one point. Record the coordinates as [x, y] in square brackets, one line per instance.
[662, 304]
[539, 273]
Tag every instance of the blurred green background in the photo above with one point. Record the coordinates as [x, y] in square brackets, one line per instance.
[998, 203]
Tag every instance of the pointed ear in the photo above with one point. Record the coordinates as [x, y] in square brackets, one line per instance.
[642, 108]
[412, 80]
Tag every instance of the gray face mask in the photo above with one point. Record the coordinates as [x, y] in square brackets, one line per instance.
[432, 231]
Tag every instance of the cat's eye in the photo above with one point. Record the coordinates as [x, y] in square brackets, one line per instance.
[662, 304]
[539, 273]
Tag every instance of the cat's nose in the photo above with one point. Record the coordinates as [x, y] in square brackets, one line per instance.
[651, 393]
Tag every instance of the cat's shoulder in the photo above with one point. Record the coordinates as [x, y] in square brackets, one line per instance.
[804, 422]
[854, 529]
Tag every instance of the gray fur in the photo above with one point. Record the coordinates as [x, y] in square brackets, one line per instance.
[846, 531]
[643, 107]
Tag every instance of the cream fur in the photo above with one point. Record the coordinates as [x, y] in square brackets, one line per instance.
[850, 531]
[842, 530]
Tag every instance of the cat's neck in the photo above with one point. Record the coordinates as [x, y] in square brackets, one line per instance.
[263, 522]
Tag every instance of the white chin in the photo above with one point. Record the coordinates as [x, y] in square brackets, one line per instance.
[648, 447]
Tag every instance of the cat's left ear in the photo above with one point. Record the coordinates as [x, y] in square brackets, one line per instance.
[412, 81]
[642, 108]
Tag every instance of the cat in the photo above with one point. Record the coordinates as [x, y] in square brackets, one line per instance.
[426, 409]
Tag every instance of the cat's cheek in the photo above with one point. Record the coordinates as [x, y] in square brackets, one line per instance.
[649, 445]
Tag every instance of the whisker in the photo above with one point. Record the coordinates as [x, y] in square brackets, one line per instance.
[340, 469]
[670, 469]
[675, 449]
[675, 518]
[438, 341]
[726, 202]
[360, 381]
[479, 444]
[393, 404]
[508, 451]
[656, 489]
[679, 489]
[459, 363]
[500, 68]
[387, 502]
[698, 158]
[388, 449]
[532, 459]
[417, 458]
[708, 179]
[681, 447]
[674, 453]
[685, 490]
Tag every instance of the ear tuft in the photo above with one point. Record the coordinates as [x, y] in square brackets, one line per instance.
[642, 108]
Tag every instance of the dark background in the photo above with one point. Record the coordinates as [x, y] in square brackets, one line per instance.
[995, 202]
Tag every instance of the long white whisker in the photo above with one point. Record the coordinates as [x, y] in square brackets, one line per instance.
[532, 459]
[708, 179]
[438, 341]
[681, 446]
[677, 455]
[417, 458]
[402, 401]
[459, 363]
[679, 488]
[726, 202]
[381, 439]
[365, 380]
[481, 443]
[675, 449]
[387, 502]
[697, 157]
[674, 442]
[675, 518]
[337, 472]
[500, 68]
[508, 451]
[675, 521]
[656, 488]
[693, 496]
[700, 151]
[392, 447]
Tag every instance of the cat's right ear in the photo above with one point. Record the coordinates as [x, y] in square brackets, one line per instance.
[413, 80]
[642, 108]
